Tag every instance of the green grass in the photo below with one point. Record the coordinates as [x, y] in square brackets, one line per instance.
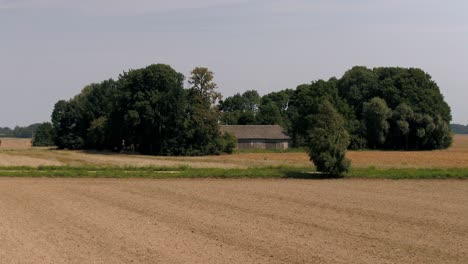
[279, 172]
[148, 172]
[408, 173]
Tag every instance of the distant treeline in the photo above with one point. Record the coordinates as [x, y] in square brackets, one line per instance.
[18, 131]
[149, 110]
[385, 108]
[459, 129]
[42, 134]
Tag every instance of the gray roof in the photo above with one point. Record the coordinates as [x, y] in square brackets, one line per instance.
[256, 132]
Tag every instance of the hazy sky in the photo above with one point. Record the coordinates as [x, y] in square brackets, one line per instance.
[50, 49]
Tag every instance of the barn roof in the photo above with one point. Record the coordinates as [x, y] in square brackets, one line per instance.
[256, 132]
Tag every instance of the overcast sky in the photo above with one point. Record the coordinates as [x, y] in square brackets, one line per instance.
[50, 49]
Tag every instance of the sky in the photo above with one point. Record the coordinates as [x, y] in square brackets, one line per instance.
[51, 49]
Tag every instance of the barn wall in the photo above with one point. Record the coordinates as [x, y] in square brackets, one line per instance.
[262, 144]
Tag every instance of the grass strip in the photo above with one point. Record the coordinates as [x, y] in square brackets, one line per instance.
[408, 173]
[271, 172]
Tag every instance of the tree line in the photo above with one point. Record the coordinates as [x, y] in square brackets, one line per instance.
[19, 131]
[459, 129]
[384, 108]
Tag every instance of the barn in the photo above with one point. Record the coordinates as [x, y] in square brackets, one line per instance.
[259, 136]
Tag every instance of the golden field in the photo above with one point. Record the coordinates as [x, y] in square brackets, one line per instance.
[18, 152]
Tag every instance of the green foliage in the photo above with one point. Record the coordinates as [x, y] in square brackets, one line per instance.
[145, 110]
[240, 109]
[269, 114]
[420, 116]
[227, 143]
[328, 140]
[375, 115]
[202, 132]
[97, 133]
[65, 119]
[148, 110]
[44, 135]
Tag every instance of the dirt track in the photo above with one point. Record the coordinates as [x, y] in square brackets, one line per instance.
[233, 221]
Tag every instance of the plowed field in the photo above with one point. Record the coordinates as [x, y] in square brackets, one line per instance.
[233, 221]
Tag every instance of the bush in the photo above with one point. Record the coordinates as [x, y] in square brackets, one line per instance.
[44, 136]
[228, 143]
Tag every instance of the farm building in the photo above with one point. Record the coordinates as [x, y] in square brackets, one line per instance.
[259, 137]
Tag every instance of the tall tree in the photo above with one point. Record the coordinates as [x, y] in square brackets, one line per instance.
[203, 133]
[328, 140]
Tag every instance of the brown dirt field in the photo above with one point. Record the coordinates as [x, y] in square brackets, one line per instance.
[233, 221]
[454, 157]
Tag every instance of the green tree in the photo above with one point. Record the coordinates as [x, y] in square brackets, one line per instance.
[269, 114]
[273, 109]
[403, 116]
[305, 102]
[328, 140]
[409, 86]
[203, 132]
[44, 135]
[376, 114]
[227, 143]
[240, 109]
[201, 83]
[150, 110]
[65, 120]
[97, 133]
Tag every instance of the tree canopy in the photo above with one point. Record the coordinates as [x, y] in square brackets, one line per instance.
[385, 108]
[146, 110]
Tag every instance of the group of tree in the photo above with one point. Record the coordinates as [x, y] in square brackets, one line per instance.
[459, 129]
[19, 131]
[384, 108]
[147, 110]
[150, 111]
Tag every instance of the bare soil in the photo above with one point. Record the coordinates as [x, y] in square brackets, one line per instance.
[233, 221]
